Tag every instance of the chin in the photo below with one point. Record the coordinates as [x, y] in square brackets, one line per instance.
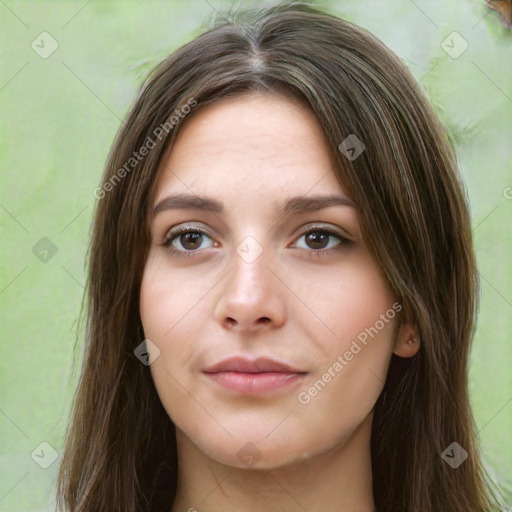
[256, 450]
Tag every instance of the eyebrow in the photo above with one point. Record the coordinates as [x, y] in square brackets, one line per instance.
[293, 205]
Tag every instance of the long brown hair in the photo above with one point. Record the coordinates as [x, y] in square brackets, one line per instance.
[120, 453]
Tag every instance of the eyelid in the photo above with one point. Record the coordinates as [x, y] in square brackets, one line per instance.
[326, 227]
[187, 226]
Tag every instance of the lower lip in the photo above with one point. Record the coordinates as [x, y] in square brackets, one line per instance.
[254, 383]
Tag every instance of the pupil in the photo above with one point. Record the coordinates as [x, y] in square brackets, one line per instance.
[193, 239]
[318, 239]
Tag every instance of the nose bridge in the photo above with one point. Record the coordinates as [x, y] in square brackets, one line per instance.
[252, 296]
[249, 272]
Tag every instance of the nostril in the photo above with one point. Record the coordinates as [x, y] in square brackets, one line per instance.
[230, 321]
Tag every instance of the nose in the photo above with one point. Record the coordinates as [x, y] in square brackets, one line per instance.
[253, 297]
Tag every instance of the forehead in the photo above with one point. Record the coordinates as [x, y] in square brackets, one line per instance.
[260, 143]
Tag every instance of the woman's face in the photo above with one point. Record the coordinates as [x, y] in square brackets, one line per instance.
[273, 323]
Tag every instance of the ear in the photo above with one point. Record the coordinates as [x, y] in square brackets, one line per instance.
[407, 341]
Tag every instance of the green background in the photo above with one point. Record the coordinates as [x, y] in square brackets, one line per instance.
[59, 116]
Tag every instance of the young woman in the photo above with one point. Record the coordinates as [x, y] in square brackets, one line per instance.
[282, 287]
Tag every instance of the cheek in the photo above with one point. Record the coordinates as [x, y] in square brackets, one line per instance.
[350, 301]
[169, 299]
[360, 312]
[172, 316]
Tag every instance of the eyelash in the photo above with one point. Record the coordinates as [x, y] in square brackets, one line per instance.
[172, 235]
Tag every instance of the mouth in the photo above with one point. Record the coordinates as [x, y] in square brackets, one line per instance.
[253, 376]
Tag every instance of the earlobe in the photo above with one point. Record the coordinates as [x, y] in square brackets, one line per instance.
[407, 342]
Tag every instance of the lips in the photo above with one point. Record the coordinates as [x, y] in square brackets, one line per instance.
[242, 365]
[253, 376]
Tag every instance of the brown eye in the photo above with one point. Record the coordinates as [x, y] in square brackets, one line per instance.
[191, 241]
[317, 239]
[186, 239]
[320, 240]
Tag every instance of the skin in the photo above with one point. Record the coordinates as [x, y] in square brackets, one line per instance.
[252, 153]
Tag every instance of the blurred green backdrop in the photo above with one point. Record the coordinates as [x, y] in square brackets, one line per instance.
[70, 70]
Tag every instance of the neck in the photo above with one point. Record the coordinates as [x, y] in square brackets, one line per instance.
[338, 481]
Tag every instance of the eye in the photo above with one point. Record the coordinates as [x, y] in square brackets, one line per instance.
[186, 239]
[320, 240]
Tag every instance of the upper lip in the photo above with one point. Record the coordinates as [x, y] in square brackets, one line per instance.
[244, 365]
